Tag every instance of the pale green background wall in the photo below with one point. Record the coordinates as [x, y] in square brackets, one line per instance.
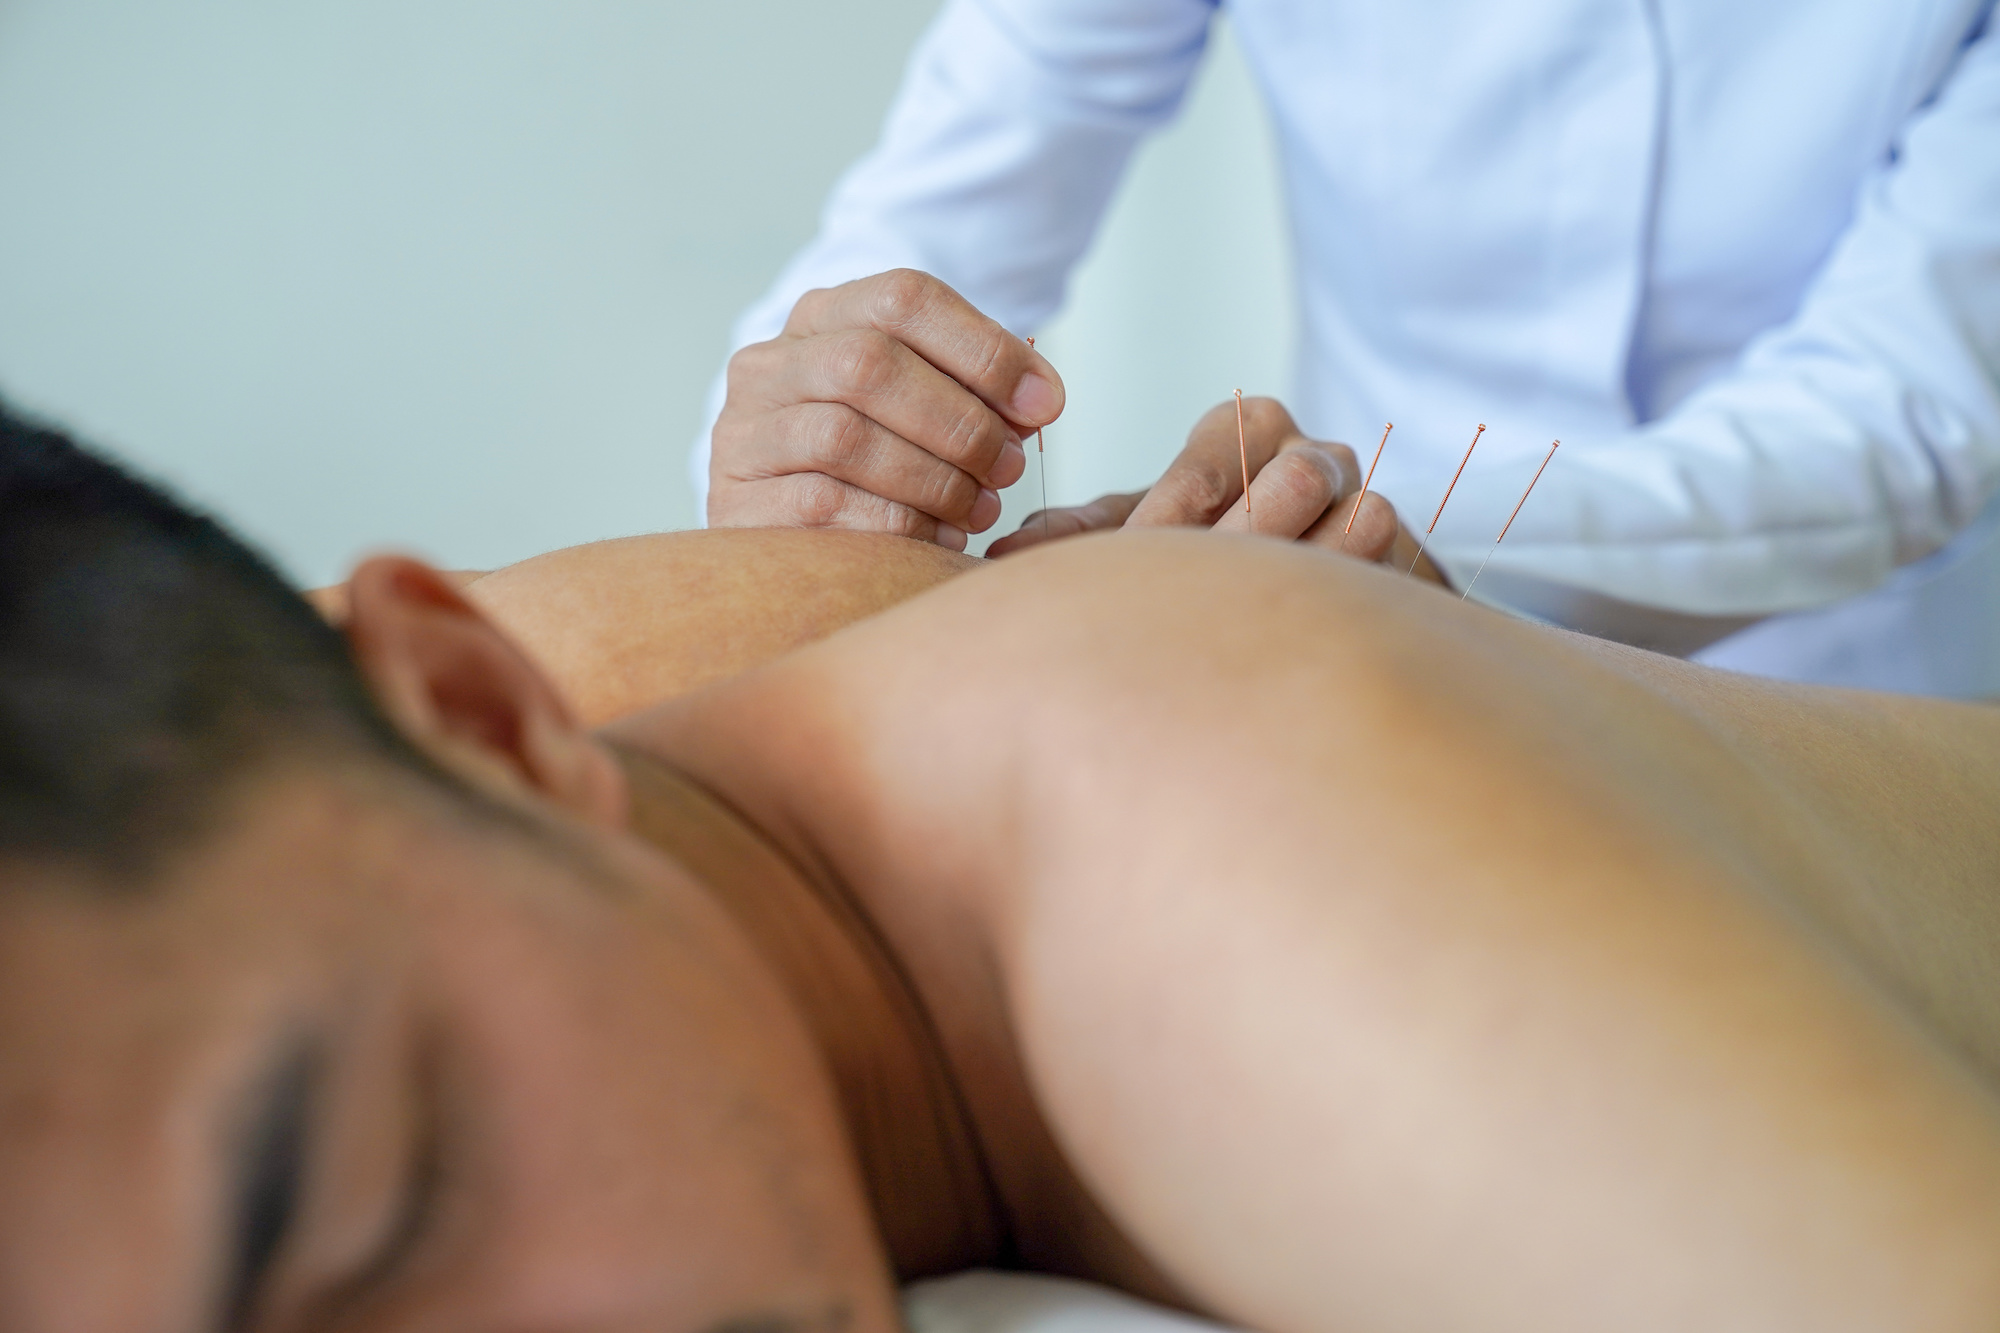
[454, 276]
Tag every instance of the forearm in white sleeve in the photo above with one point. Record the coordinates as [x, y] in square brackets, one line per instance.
[1861, 435]
[1011, 129]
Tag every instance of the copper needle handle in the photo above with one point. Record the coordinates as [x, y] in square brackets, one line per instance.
[1447, 498]
[1243, 450]
[1365, 485]
[1510, 519]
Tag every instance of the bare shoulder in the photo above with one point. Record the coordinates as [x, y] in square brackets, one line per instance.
[624, 624]
[870, 566]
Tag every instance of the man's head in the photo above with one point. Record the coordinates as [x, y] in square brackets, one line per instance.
[148, 661]
[332, 991]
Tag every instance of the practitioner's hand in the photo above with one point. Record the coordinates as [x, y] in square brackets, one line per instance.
[887, 405]
[1300, 490]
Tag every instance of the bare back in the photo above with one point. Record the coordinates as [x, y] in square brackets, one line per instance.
[1350, 937]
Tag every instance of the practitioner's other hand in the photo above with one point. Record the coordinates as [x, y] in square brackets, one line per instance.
[888, 404]
[1300, 490]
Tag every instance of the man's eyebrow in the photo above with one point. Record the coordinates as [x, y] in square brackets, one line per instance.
[268, 1156]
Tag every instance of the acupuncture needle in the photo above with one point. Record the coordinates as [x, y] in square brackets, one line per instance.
[1365, 485]
[1243, 449]
[1042, 467]
[1447, 497]
[1511, 517]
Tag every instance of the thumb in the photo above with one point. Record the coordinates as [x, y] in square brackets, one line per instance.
[1104, 514]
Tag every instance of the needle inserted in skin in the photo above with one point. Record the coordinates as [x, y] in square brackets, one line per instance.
[1042, 467]
[1510, 519]
[1243, 448]
[1447, 498]
[1365, 485]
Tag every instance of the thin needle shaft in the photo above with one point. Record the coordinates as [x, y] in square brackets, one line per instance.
[1510, 518]
[1447, 498]
[1042, 468]
[1243, 449]
[1365, 485]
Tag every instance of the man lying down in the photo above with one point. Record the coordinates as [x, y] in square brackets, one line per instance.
[1250, 929]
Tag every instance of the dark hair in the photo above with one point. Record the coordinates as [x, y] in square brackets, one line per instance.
[148, 660]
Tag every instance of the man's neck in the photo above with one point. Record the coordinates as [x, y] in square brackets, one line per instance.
[920, 1157]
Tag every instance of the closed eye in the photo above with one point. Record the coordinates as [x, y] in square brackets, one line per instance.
[271, 1156]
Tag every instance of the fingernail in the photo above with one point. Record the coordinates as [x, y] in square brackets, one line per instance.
[1035, 399]
[950, 538]
[1012, 464]
[985, 510]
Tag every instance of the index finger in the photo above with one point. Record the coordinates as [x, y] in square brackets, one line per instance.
[1206, 477]
[944, 329]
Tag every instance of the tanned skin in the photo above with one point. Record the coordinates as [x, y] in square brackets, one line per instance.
[1411, 939]
[1209, 916]
[623, 624]
[627, 623]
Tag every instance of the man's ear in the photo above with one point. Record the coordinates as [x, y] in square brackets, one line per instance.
[457, 687]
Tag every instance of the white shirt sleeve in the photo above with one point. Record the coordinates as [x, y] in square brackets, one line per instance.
[1859, 436]
[1000, 154]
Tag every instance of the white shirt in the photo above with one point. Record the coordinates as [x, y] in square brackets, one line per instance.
[1741, 256]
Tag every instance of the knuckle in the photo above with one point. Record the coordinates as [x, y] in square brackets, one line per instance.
[1219, 418]
[729, 442]
[815, 500]
[1198, 490]
[991, 353]
[806, 310]
[948, 494]
[731, 455]
[903, 521]
[1375, 526]
[1265, 415]
[747, 365]
[753, 503]
[969, 438]
[1299, 479]
[861, 361]
[900, 296]
[834, 438]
